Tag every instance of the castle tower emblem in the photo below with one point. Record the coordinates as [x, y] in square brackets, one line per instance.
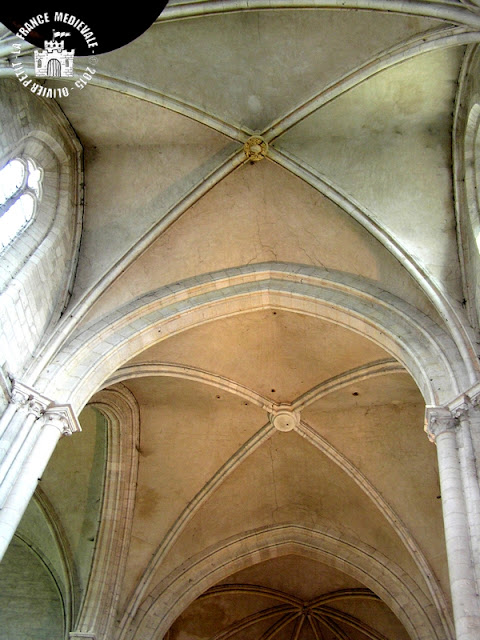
[54, 61]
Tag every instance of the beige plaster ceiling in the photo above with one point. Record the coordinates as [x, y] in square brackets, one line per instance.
[192, 430]
[387, 143]
[280, 355]
[257, 214]
[277, 59]
[241, 73]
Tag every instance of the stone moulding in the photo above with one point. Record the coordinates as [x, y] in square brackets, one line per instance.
[173, 594]
[98, 611]
[419, 344]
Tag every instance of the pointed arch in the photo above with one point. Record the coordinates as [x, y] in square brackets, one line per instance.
[427, 352]
[171, 597]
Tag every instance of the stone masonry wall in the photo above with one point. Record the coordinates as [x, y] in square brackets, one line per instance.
[37, 268]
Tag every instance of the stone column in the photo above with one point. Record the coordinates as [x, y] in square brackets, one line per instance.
[468, 466]
[18, 440]
[28, 465]
[17, 399]
[22, 400]
[474, 419]
[441, 427]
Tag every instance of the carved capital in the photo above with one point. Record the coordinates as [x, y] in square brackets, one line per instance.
[18, 397]
[438, 420]
[466, 406]
[283, 418]
[62, 418]
[36, 408]
[28, 399]
[475, 399]
[462, 410]
[467, 401]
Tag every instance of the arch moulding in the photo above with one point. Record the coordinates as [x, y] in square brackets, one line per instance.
[94, 353]
[174, 594]
[118, 405]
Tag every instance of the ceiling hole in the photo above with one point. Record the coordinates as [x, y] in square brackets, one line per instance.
[273, 390]
[274, 313]
[355, 393]
[217, 397]
[246, 404]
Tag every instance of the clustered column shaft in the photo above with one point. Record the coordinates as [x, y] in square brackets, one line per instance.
[471, 486]
[458, 483]
[29, 431]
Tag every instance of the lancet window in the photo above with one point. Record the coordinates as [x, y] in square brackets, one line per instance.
[20, 193]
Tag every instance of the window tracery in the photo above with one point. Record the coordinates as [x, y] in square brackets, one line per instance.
[20, 192]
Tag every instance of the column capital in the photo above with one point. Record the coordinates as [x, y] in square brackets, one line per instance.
[438, 420]
[29, 399]
[76, 635]
[474, 397]
[470, 397]
[462, 409]
[62, 418]
[18, 397]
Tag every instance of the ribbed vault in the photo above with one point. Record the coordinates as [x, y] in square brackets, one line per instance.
[317, 618]
[260, 339]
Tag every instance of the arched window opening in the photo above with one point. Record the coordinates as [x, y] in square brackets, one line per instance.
[20, 192]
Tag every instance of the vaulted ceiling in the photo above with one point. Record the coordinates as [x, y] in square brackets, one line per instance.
[356, 108]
